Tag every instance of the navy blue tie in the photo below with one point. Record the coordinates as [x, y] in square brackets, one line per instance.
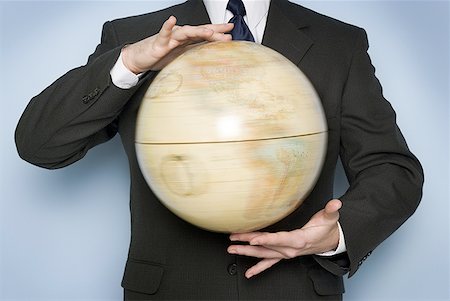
[240, 30]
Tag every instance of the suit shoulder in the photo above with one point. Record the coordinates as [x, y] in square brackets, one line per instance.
[323, 23]
[134, 28]
[161, 14]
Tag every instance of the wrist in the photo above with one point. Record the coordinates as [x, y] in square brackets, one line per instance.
[127, 59]
[341, 247]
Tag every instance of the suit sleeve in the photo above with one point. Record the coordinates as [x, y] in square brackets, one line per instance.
[76, 112]
[385, 177]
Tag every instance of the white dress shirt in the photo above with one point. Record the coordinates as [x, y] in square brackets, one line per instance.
[256, 19]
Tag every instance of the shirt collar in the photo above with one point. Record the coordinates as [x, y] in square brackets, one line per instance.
[256, 10]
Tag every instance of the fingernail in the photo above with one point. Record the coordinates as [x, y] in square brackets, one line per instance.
[232, 250]
[249, 275]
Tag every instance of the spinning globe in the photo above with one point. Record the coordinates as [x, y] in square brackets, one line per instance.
[231, 136]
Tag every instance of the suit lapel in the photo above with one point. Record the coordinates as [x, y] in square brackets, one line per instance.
[283, 32]
[195, 13]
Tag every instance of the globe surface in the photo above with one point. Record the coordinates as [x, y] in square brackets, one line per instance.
[231, 136]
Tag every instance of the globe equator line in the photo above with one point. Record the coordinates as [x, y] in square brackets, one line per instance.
[231, 141]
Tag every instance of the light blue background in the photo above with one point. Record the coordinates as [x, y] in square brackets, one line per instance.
[64, 234]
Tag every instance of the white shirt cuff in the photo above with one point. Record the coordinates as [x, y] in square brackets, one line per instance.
[122, 77]
[341, 248]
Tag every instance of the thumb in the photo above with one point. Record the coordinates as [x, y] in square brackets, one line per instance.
[332, 209]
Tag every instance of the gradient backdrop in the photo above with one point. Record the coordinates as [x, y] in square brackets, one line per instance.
[64, 234]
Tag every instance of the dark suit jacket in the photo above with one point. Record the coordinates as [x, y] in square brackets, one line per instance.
[169, 258]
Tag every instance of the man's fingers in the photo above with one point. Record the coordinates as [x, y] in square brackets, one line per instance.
[208, 32]
[254, 251]
[220, 32]
[245, 236]
[198, 33]
[261, 266]
[220, 37]
[332, 209]
[282, 239]
[220, 28]
[166, 31]
[172, 36]
[187, 33]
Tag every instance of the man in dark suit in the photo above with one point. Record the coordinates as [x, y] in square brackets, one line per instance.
[170, 259]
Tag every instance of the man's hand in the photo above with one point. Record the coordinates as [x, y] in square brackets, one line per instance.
[157, 51]
[320, 234]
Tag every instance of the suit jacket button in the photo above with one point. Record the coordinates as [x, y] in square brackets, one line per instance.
[232, 269]
[86, 99]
